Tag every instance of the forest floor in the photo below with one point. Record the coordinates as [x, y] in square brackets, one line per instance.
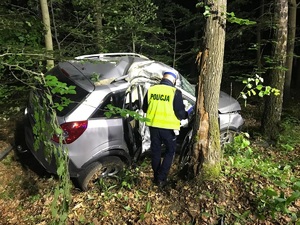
[258, 185]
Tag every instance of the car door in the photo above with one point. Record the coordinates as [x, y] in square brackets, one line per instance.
[104, 135]
[132, 126]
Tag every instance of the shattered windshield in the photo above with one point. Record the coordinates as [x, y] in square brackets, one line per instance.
[187, 86]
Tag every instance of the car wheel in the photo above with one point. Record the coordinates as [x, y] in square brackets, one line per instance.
[227, 136]
[185, 169]
[106, 168]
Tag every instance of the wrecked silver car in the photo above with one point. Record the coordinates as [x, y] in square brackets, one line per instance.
[99, 146]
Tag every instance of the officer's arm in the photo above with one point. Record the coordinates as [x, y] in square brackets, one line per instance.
[145, 103]
[178, 106]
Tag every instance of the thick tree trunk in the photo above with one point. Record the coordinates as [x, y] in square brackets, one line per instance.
[290, 48]
[48, 34]
[206, 148]
[273, 104]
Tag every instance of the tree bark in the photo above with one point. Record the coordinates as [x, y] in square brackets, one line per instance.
[290, 48]
[273, 104]
[48, 34]
[206, 147]
[258, 35]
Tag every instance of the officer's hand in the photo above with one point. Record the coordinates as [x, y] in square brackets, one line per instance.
[190, 110]
[184, 123]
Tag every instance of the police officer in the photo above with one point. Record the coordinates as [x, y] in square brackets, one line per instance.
[164, 108]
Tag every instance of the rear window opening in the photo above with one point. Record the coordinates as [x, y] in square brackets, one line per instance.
[81, 93]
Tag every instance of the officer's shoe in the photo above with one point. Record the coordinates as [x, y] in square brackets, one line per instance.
[155, 181]
[161, 184]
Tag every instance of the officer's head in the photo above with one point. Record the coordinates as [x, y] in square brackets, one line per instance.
[170, 76]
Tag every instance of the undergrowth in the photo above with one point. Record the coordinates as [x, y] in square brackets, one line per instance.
[269, 174]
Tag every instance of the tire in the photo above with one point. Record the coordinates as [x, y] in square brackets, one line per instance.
[106, 168]
[227, 136]
[185, 169]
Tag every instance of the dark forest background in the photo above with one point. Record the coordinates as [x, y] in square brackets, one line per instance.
[164, 30]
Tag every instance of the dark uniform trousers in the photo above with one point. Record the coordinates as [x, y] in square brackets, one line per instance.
[167, 137]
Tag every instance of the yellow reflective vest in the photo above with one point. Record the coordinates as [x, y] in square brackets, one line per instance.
[160, 107]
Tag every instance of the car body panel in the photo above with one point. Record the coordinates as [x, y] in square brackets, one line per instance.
[227, 103]
[101, 135]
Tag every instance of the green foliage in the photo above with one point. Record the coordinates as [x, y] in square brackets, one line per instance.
[231, 18]
[289, 136]
[246, 162]
[95, 77]
[129, 178]
[106, 26]
[133, 21]
[45, 127]
[113, 110]
[276, 202]
[56, 86]
[174, 47]
[254, 86]
[240, 145]
[272, 64]
[19, 29]
[19, 69]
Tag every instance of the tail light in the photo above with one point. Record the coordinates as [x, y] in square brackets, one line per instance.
[71, 131]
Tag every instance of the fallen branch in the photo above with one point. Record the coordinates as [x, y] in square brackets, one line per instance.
[5, 152]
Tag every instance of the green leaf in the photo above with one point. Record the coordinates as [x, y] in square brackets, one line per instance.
[58, 131]
[278, 199]
[60, 108]
[259, 87]
[295, 195]
[271, 193]
[72, 92]
[60, 170]
[148, 207]
[108, 114]
[128, 208]
[296, 186]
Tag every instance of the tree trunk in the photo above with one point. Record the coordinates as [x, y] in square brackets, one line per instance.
[175, 46]
[48, 34]
[290, 48]
[258, 35]
[133, 41]
[273, 104]
[206, 146]
[99, 26]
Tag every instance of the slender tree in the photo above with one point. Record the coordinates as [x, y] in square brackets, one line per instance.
[47, 27]
[99, 25]
[290, 47]
[273, 104]
[258, 35]
[206, 146]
